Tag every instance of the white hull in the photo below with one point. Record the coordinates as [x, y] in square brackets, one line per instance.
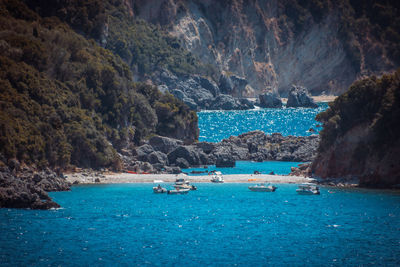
[262, 189]
[305, 192]
[178, 192]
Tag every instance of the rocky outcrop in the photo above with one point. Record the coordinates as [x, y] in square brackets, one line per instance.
[360, 139]
[254, 146]
[269, 100]
[27, 188]
[164, 144]
[299, 97]
[201, 93]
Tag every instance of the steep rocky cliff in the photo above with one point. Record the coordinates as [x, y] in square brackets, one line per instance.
[361, 135]
[322, 45]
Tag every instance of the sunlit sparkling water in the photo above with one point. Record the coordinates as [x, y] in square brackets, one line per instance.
[217, 125]
[217, 225]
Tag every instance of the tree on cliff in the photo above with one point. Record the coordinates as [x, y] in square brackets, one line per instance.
[361, 135]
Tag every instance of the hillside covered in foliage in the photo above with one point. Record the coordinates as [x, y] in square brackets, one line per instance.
[65, 100]
[361, 135]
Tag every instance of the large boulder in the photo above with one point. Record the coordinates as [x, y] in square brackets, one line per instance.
[158, 157]
[189, 153]
[246, 103]
[182, 163]
[143, 152]
[300, 97]
[225, 160]
[209, 85]
[269, 100]
[206, 147]
[164, 144]
[225, 102]
[225, 84]
[233, 85]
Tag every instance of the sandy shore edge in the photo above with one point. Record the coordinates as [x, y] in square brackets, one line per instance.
[120, 178]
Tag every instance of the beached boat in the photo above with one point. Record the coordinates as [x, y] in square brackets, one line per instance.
[178, 191]
[159, 190]
[217, 177]
[181, 183]
[262, 188]
[308, 189]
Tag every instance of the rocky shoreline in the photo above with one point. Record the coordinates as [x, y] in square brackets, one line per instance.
[27, 188]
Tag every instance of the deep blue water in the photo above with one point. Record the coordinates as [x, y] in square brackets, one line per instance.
[217, 125]
[217, 225]
[248, 167]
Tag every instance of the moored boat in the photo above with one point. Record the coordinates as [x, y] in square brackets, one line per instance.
[178, 191]
[262, 188]
[181, 183]
[159, 190]
[217, 177]
[308, 189]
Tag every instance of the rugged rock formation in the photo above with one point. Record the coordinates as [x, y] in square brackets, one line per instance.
[299, 97]
[254, 146]
[27, 189]
[202, 93]
[273, 44]
[269, 100]
[361, 135]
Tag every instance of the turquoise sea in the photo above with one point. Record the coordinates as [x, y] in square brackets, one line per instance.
[216, 125]
[217, 225]
[248, 167]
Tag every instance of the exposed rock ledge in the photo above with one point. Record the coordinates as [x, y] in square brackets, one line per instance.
[25, 188]
[163, 154]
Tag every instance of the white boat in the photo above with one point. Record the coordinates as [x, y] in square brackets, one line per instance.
[178, 191]
[262, 188]
[308, 189]
[217, 177]
[159, 190]
[181, 183]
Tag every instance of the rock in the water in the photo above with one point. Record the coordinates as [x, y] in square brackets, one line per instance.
[299, 97]
[27, 190]
[269, 100]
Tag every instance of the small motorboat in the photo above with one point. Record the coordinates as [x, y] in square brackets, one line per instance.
[217, 177]
[159, 190]
[262, 188]
[308, 189]
[181, 183]
[178, 191]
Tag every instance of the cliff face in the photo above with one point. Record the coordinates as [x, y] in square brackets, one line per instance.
[360, 138]
[273, 44]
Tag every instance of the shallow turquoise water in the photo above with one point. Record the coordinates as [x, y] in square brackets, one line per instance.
[248, 167]
[217, 225]
[217, 125]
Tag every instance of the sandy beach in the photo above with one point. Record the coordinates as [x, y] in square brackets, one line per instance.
[116, 178]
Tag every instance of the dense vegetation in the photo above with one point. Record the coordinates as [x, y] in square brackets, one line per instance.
[373, 102]
[144, 47]
[66, 100]
[376, 21]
